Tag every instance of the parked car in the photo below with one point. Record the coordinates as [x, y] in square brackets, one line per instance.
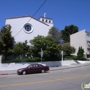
[33, 68]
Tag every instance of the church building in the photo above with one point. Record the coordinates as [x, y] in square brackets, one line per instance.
[27, 27]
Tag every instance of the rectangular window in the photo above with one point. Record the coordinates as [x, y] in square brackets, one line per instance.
[88, 42]
[46, 20]
[43, 20]
[88, 34]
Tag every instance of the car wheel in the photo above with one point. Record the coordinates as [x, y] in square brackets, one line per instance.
[43, 71]
[24, 72]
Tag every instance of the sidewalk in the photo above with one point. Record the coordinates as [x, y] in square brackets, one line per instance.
[11, 72]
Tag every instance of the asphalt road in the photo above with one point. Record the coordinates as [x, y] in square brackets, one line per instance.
[68, 79]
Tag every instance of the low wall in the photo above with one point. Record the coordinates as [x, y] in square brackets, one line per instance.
[68, 62]
[15, 66]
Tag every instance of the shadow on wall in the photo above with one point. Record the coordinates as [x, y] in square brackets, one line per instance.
[77, 61]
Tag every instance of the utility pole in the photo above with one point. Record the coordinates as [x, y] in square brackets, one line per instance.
[62, 55]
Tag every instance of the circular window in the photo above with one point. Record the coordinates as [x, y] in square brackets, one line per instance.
[28, 28]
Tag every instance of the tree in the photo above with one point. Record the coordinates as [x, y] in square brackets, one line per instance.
[68, 30]
[6, 41]
[36, 44]
[48, 45]
[68, 50]
[54, 33]
[80, 53]
[21, 49]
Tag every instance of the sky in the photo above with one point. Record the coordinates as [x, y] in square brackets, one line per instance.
[62, 12]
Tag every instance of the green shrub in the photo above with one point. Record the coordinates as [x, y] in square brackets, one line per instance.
[35, 59]
[71, 57]
[11, 61]
[80, 53]
[82, 58]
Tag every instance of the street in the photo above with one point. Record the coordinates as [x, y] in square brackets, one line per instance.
[67, 79]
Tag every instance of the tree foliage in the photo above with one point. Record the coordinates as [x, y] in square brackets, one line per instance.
[48, 45]
[54, 33]
[21, 49]
[68, 30]
[6, 41]
[80, 53]
[67, 49]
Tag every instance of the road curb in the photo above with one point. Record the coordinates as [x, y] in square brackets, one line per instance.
[8, 73]
[70, 67]
[64, 68]
[4, 74]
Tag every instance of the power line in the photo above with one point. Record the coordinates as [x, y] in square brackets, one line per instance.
[32, 16]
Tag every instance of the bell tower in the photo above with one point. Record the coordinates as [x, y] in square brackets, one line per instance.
[46, 20]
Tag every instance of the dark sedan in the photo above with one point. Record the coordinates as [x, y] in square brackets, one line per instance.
[33, 68]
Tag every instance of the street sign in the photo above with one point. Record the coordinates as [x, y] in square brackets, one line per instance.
[41, 52]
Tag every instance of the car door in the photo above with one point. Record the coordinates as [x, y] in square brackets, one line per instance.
[36, 68]
[39, 68]
[30, 69]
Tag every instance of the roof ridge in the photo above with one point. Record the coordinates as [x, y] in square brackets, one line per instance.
[27, 16]
[19, 17]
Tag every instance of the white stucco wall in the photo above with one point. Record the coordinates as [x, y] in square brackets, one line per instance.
[79, 39]
[18, 30]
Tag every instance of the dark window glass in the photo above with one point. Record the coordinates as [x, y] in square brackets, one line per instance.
[27, 27]
[43, 20]
[49, 21]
